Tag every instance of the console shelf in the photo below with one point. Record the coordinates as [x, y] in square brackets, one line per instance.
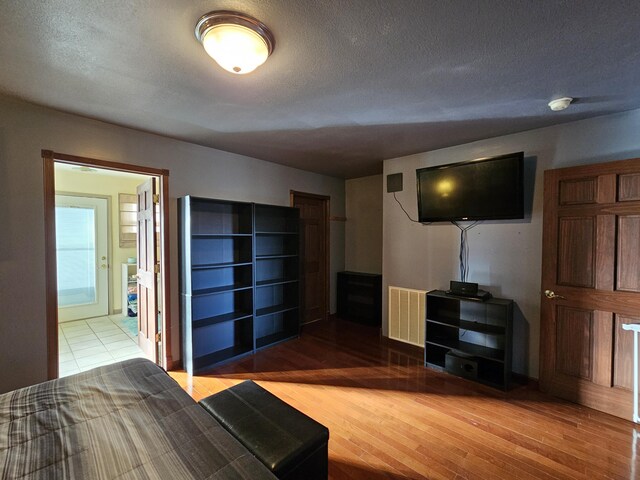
[239, 279]
[479, 351]
[473, 326]
[469, 338]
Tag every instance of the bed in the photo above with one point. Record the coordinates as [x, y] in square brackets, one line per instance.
[127, 420]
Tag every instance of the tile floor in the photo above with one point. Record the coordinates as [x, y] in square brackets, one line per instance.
[86, 344]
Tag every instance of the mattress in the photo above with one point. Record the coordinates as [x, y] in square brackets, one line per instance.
[129, 420]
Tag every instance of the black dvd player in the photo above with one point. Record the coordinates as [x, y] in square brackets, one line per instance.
[467, 289]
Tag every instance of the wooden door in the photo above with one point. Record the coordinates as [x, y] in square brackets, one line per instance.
[314, 254]
[147, 269]
[591, 262]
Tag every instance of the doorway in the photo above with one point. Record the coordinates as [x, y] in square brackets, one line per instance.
[314, 254]
[96, 248]
[92, 291]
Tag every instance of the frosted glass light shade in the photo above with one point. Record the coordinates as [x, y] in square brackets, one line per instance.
[237, 49]
[237, 42]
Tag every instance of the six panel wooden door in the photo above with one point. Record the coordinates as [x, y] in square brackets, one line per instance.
[147, 275]
[591, 276]
[314, 253]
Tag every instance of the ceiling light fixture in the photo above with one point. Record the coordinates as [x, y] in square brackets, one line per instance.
[237, 42]
[560, 103]
[84, 169]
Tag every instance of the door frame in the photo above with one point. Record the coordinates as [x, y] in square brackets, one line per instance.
[326, 201]
[49, 158]
[109, 240]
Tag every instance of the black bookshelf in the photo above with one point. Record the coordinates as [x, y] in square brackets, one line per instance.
[277, 263]
[239, 276]
[469, 337]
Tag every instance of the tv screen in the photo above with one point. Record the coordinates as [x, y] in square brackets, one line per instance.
[483, 189]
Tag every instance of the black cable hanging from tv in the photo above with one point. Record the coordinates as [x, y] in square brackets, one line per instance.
[464, 249]
[464, 246]
[407, 213]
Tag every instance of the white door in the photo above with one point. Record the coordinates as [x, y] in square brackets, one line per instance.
[147, 273]
[82, 257]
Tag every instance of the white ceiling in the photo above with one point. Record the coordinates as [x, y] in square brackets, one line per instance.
[350, 83]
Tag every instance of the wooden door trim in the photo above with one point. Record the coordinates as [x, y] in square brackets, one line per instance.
[50, 268]
[165, 277]
[616, 166]
[327, 240]
[49, 158]
[549, 265]
[292, 193]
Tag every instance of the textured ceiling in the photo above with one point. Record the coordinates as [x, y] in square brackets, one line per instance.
[351, 82]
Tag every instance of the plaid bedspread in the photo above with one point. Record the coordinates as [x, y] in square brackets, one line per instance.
[129, 420]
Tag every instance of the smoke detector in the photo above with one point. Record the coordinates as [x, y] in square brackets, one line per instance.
[560, 103]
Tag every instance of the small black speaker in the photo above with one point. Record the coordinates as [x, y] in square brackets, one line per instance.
[461, 365]
[394, 182]
[467, 289]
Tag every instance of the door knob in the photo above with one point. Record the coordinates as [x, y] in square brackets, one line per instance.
[552, 294]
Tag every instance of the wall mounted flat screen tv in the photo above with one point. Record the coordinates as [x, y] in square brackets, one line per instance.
[483, 189]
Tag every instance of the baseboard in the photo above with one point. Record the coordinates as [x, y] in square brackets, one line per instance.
[525, 380]
[417, 351]
[405, 348]
[173, 365]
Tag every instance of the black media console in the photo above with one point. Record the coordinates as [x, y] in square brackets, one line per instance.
[470, 338]
[360, 297]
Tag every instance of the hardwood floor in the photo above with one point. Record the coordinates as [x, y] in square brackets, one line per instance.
[389, 417]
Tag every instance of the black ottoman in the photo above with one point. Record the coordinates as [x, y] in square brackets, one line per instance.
[289, 443]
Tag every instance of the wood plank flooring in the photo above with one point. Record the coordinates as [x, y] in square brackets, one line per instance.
[389, 417]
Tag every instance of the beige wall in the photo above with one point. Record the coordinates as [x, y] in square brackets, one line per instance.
[106, 185]
[26, 129]
[504, 256]
[363, 230]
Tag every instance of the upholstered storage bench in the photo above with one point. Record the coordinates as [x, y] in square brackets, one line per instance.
[289, 443]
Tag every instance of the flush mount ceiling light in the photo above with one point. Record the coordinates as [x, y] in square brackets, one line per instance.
[560, 103]
[85, 169]
[237, 42]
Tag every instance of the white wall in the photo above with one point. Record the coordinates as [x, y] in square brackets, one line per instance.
[26, 129]
[505, 256]
[363, 235]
